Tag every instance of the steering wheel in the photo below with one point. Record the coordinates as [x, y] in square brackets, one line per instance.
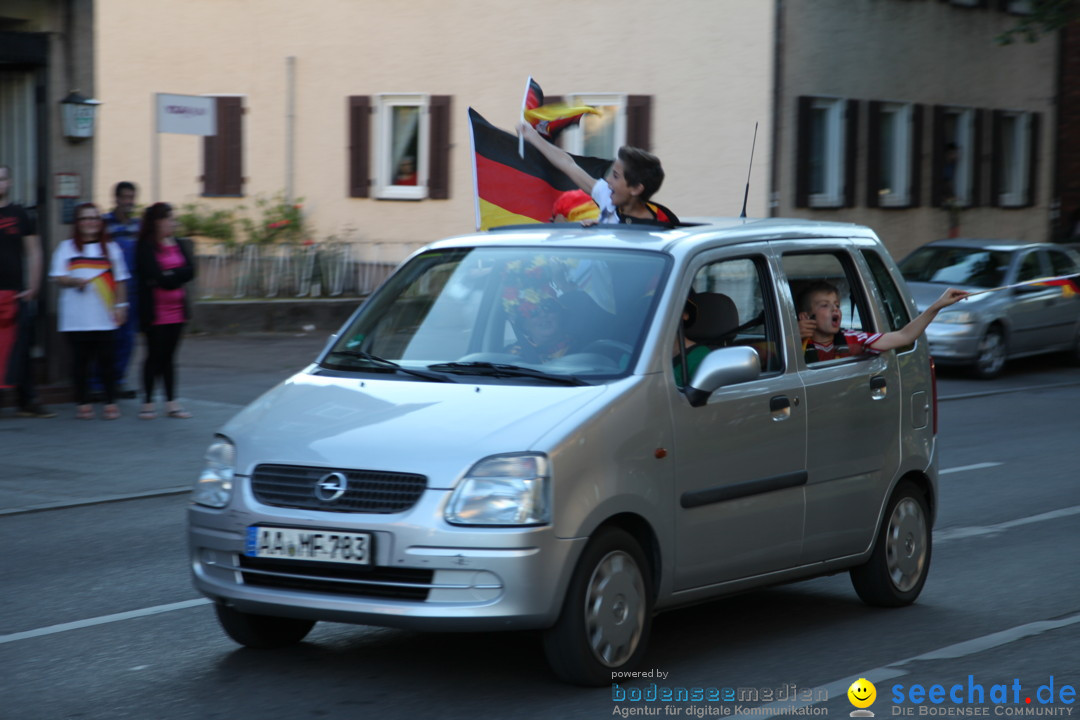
[611, 349]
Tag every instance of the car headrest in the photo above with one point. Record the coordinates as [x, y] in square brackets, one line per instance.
[716, 319]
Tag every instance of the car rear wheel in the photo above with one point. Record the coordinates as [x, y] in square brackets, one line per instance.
[262, 631]
[607, 612]
[990, 360]
[896, 571]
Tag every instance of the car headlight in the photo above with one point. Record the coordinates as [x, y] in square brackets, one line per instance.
[503, 490]
[215, 485]
[958, 318]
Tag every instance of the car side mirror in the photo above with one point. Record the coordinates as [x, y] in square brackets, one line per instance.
[720, 368]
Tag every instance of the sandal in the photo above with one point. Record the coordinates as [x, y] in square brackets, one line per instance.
[111, 412]
[84, 412]
[179, 414]
[147, 413]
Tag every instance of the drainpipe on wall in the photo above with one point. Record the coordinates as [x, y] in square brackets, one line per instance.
[773, 203]
[290, 126]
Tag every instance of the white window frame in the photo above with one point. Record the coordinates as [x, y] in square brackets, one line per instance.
[833, 153]
[574, 137]
[1013, 191]
[384, 164]
[900, 115]
[964, 180]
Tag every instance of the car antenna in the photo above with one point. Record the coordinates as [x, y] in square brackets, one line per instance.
[746, 194]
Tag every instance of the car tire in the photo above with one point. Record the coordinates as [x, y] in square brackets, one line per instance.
[897, 569]
[262, 631]
[990, 360]
[607, 612]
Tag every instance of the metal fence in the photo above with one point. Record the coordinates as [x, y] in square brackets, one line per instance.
[284, 271]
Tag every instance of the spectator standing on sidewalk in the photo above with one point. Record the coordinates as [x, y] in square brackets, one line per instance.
[20, 280]
[122, 224]
[92, 277]
[165, 264]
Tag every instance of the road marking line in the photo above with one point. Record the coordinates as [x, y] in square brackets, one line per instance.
[962, 533]
[965, 468]
[104, 619]
[838, 688]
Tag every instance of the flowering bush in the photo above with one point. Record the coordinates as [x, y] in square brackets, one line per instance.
[276, 220]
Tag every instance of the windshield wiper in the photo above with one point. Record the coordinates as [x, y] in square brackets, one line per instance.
[491, 369]
[391, 365]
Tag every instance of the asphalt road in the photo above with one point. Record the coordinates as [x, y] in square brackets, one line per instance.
[100, 619]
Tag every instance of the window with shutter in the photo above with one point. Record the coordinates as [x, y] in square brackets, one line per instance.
[954, 158]
[223, 154]
[359, 124]
[1013, 165]
[894, 154]
[824, 132]
[439, 109]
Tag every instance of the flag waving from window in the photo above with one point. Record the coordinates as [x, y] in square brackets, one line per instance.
[511, 189]
[551, 119]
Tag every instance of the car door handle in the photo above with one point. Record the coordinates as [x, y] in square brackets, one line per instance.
[879, 387]
[780, 407]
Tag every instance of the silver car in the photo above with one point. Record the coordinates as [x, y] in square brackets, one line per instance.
[499, 439]
[986, 330]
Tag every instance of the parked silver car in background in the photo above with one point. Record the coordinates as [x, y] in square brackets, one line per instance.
[497, 439]
[986, 330]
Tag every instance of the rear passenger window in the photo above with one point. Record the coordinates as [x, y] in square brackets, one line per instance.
[827, 293]
[744, 281]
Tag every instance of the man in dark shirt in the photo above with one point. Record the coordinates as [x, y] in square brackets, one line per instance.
[122, 225]
[18, 299]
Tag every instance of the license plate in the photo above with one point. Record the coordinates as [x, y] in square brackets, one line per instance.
[310, 545]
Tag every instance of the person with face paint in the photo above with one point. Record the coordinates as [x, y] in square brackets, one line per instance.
[820, 318]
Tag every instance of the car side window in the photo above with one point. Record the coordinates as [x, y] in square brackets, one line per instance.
[830, 304]
[1062, 264]
[896, 312]
[1030, 268]
[746, 282]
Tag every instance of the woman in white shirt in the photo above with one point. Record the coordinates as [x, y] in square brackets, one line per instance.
[91, 274]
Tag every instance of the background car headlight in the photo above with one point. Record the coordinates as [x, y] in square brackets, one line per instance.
[958, 318]
[215, 485]
[503, 490]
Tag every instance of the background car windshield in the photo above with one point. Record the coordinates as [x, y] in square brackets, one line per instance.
[574, 312]
[972, 267]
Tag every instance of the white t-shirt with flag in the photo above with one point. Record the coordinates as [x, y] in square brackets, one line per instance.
[91, 307]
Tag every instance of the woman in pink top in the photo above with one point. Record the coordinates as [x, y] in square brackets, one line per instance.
[165, 265]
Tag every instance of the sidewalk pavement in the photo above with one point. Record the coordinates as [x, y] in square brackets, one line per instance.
[57, 462]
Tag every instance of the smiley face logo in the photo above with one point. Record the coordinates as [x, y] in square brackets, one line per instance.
[862, 693]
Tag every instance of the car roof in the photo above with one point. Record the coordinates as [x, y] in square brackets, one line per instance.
[714, 231]
[1006, 244]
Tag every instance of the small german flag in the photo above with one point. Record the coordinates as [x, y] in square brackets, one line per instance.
[1068, 284]
[551, 119]
[511, 189]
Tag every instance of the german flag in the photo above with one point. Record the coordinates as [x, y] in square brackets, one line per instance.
[1068, 284]
[511, 189]
[551, 120]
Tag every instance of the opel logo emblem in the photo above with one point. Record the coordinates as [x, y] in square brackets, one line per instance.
[331, 486]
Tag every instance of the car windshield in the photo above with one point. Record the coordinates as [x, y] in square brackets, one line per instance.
[971, 267]
[506, 314]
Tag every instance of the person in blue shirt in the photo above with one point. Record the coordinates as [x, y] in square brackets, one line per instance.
[122, 225]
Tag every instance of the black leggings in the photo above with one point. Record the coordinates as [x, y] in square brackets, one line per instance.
[93, 347]
[162, 342]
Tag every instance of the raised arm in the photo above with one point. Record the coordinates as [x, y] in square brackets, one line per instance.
[911, 332]
[559, 158]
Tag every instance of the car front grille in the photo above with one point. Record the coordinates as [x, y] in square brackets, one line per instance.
[368, 491]
[378, 582]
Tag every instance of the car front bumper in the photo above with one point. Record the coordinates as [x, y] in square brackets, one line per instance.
[954, 343]
[448, 578]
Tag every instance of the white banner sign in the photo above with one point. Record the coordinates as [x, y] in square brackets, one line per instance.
[186, 114]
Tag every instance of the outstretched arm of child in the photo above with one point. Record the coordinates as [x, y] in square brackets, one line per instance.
[558, 157]
[911, 332]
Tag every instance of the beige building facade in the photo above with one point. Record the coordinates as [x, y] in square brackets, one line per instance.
[704, 68]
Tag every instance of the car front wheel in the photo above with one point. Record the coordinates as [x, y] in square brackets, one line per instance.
[262, 631]
[990, 360]
[607, 612]
[896, 571]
